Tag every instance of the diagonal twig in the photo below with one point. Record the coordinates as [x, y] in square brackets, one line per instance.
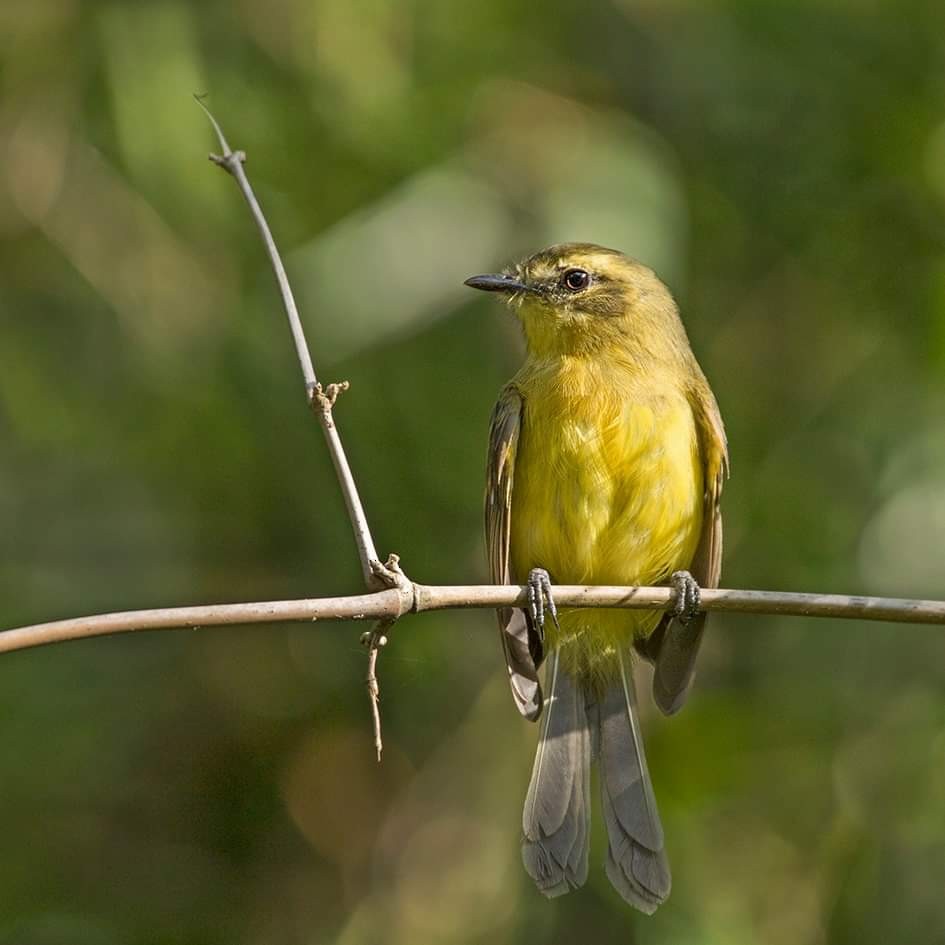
[320, 399]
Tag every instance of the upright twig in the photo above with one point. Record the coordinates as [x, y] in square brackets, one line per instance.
[321, 399]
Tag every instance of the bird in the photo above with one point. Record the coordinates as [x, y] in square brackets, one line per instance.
[607, 456]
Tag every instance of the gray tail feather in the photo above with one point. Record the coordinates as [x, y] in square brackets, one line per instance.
[556, 819]
[636, 860]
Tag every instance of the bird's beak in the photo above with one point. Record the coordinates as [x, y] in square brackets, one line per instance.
[496, 284]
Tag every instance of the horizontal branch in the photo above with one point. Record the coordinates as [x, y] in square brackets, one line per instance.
[395, 602]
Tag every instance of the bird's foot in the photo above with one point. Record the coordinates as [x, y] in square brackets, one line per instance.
[540, 600]
[688, 596]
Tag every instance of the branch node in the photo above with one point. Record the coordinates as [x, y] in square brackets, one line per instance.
[229, 162]
[322, 399]
[371, 639]
[391, 575]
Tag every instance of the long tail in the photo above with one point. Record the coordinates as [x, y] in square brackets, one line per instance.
[556, 819]
[636, 861]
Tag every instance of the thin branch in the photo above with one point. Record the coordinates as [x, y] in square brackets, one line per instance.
[377, 576]
[320, 399]
[374, 640]
[392, 603]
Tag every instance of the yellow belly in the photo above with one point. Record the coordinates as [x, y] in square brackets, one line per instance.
[608, 490]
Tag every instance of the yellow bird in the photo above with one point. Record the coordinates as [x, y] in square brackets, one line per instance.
[606, 460]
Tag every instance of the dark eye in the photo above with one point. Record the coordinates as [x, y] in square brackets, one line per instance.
[576, 279]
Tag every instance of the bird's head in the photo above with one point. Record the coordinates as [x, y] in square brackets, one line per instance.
[577, 298]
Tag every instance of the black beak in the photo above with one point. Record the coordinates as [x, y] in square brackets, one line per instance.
[496, 284]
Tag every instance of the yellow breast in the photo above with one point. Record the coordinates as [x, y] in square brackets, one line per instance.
[608, 484]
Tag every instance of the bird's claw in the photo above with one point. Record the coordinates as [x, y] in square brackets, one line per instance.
[688, 596]
[540, 600]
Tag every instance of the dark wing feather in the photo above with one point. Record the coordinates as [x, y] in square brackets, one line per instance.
[513, 629]
[678, 645]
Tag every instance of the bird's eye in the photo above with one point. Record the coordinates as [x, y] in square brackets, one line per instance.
[576, 279]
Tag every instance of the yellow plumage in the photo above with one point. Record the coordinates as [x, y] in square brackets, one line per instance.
[606, 461]
[617, 439]
[608, 489]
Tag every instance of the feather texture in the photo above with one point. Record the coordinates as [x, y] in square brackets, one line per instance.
[514, 631]
[613, 442]
[675, 645]
[556, 818]
[636, 860]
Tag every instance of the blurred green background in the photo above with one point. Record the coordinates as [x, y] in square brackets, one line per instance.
[782, 166]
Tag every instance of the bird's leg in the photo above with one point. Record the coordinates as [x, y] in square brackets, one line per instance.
[675, 623]
[688, 596]
[539, 600]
